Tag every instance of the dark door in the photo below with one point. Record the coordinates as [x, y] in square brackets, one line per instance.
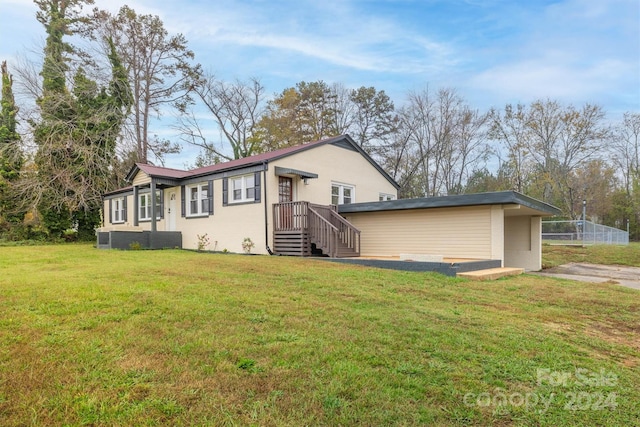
[285, 189]
[285, 194]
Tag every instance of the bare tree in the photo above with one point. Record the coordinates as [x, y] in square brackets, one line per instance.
[470, 152]
[510, 130]
[546, 142]
[447, 141]
[341, 108]
[160, 71]
[236, 108]
[626, 149]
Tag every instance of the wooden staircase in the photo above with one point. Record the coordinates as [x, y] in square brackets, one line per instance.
[305, 229]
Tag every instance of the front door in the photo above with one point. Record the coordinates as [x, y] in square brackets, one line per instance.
[171, 213]
[285, 189]
[285, 194]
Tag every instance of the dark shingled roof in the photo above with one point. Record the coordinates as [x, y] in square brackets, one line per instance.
[494, 198]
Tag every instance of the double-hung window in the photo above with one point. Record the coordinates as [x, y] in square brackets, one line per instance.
[384, 197]
[199, 199]
[118, 214]
[342, 194]
[144, 206]
[243, 189]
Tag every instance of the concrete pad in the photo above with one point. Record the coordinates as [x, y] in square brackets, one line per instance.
[596, 273]
[491, 273]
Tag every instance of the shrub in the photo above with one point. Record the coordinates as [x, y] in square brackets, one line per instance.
[247, 245]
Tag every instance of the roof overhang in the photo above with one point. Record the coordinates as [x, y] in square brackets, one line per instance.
[290, 171]
[512, 201]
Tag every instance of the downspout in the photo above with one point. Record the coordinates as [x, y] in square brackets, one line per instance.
[266, 222]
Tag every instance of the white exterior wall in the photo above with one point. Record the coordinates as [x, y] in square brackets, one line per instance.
[332, 164]
[128, 224]
[227, 227]
[497, 233]
[462, 232]
[230, 224]
[523, 242]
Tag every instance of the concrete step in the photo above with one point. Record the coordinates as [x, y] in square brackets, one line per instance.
[491, 273]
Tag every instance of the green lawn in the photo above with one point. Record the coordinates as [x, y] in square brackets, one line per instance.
[90, 337]
[597, 254]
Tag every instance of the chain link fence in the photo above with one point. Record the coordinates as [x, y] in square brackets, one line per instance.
[582, 233]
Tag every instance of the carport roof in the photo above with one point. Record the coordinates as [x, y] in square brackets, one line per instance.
[478, 199]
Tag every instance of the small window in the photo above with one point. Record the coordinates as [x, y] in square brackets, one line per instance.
[199, 199]
[117, 210]
[342, 194]
[243, 189]
[144, 206]
[384, 197]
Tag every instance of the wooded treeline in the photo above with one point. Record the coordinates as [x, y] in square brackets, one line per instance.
[103, 79]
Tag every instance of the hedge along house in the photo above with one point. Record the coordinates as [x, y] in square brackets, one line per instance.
[326, 197]
[285, 201]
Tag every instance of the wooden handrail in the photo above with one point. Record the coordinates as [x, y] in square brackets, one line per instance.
[329, 231]
[323, 233]
[290, 216]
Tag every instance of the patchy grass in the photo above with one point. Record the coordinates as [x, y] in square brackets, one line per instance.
[184, 338]
[552, 256]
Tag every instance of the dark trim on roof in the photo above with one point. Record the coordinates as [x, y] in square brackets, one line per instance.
[290, 171]
[118, 191]
[478, 199]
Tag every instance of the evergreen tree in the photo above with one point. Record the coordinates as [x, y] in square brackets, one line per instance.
[10, 153]
[77, 131]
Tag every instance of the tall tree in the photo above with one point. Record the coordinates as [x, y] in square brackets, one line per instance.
[306, 112]
[77, 130]
[374, 117]
[594, 181]
[626, 149]
[236, 108]
[561, 139]
[160, 70]
[509, 129]
[546, 143]
[446, 141]
[11, 158]
[626, 158]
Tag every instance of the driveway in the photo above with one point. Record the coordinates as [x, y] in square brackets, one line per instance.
[595, 273]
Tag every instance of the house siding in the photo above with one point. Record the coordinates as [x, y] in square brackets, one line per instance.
[141, 178]
[428, 231]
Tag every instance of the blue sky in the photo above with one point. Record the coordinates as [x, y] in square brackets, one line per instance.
[492, 51]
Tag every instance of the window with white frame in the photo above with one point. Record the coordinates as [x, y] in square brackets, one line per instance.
[144, 206]
[342, 194]
[243, 188]
[198, 199]
[384, 197]
[117, 210]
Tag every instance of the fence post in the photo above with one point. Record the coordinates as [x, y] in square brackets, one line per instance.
[584, 219]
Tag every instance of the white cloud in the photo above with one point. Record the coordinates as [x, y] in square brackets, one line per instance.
[332, 32]
[529, 80]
